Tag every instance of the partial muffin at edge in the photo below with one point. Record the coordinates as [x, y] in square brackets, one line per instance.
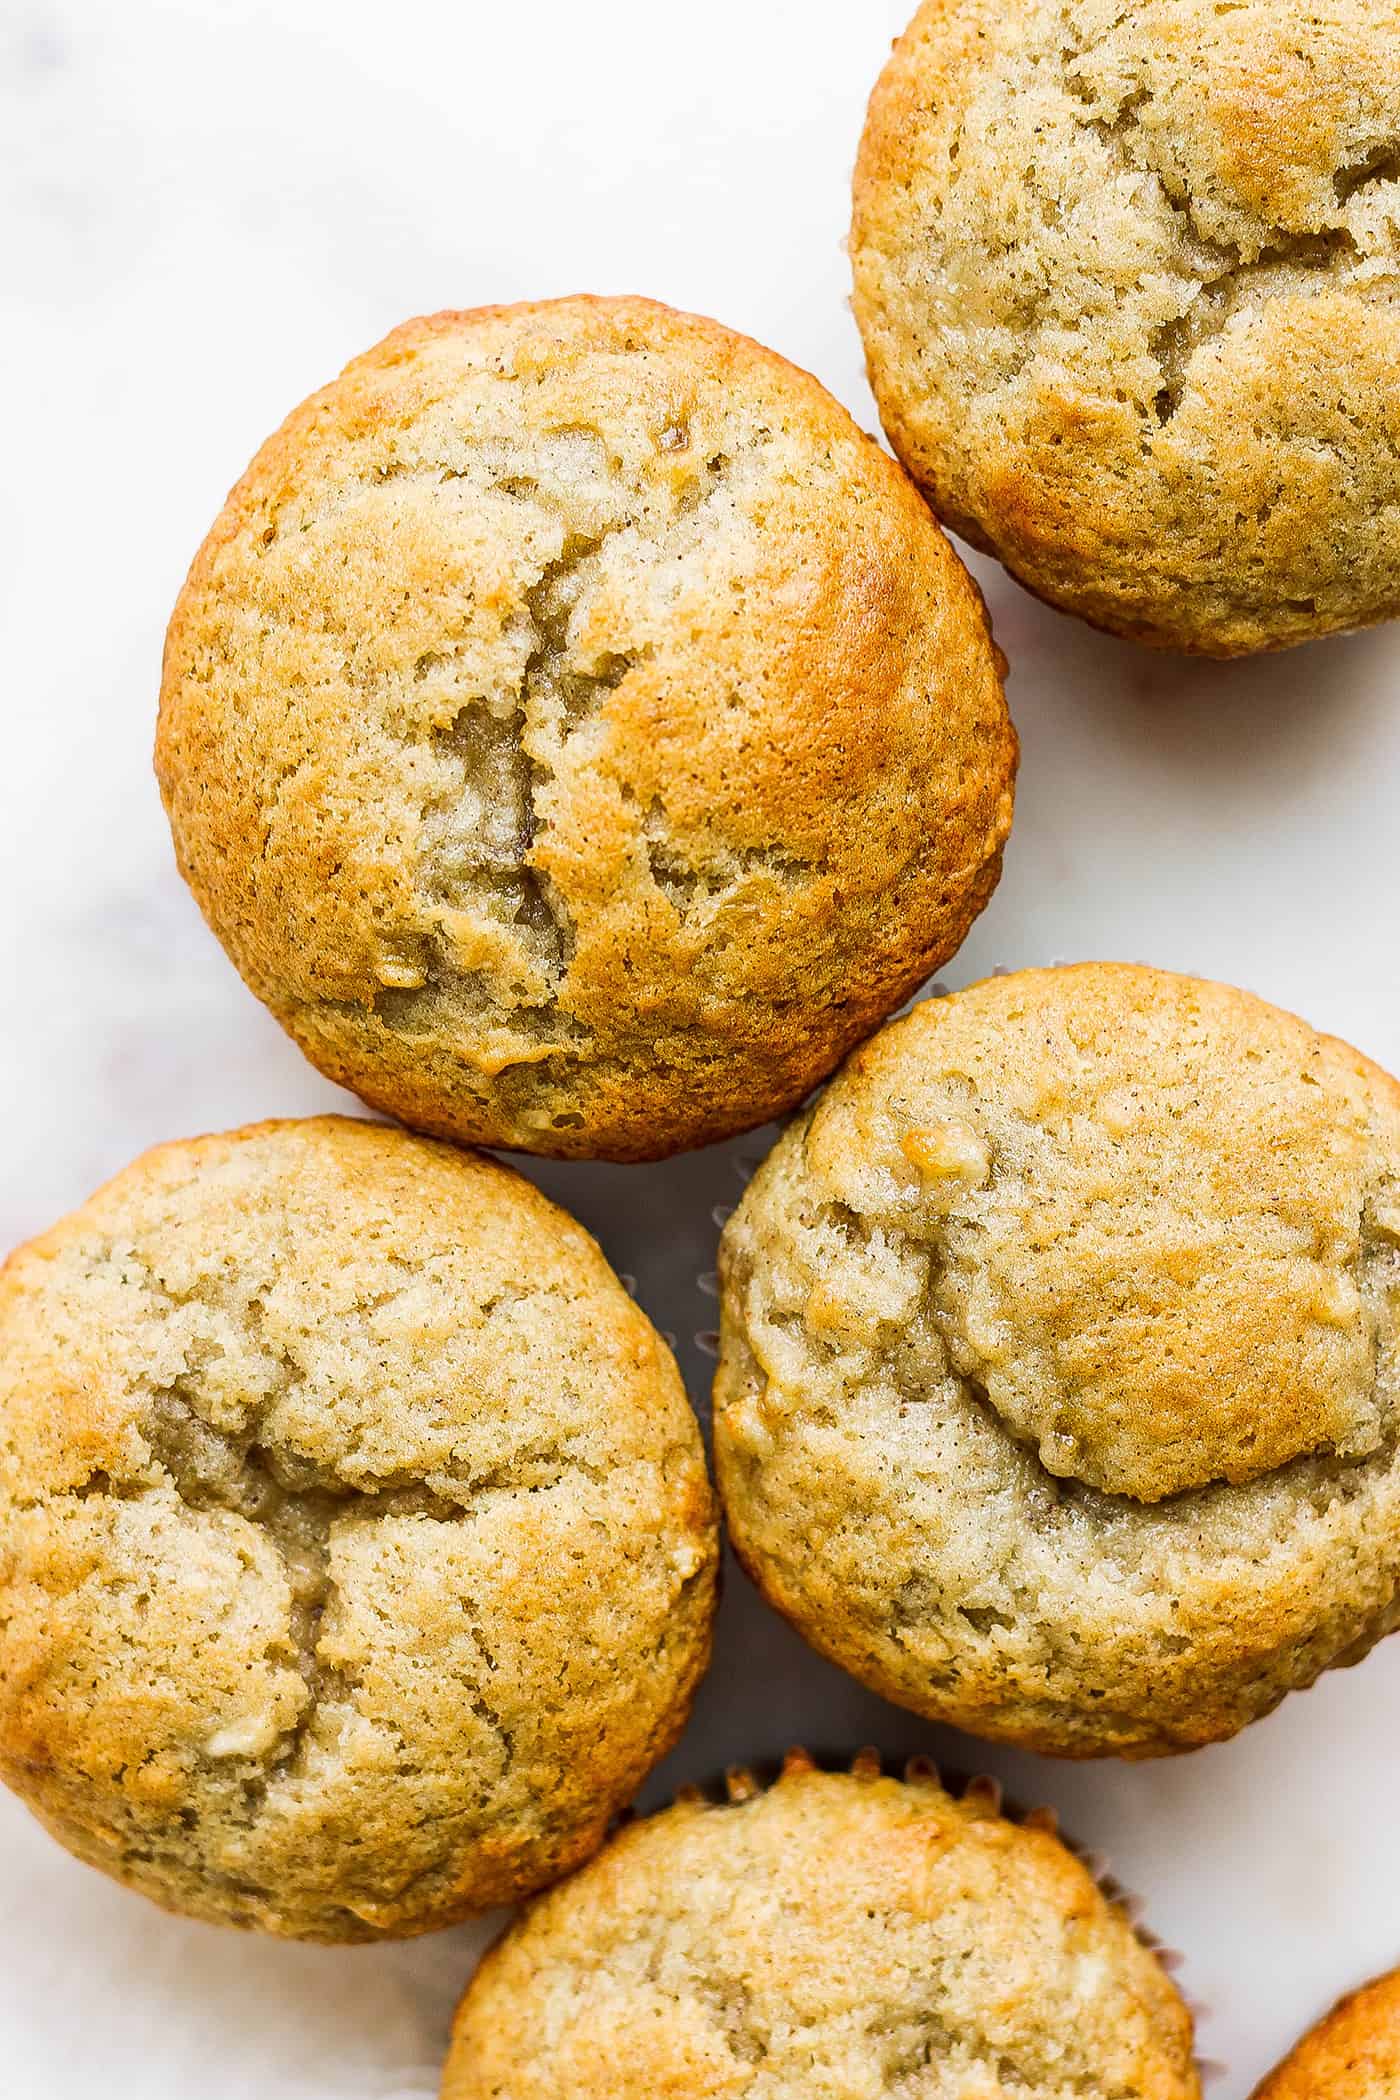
[834, 1935]
[1129, 286]
[1354, 2054]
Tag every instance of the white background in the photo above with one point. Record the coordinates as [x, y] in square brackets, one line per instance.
[205, 209]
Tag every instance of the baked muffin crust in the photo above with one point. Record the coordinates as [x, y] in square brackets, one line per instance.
[834, 1938]
[1354, 2054]
[1129, 284]
[579, 733]
[1059, 1392]
[357, 1555]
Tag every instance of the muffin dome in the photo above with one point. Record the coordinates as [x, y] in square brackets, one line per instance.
[1354, 2054]
[1129, 283]
[579, 733]
[834, 1936]
[1059, 1388]
[358, 1555]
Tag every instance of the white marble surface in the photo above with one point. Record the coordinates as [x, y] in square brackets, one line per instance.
[206, 206]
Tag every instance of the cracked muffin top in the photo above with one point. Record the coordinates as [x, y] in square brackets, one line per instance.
[1059, 1387]
[1354, 2054]
[1129, 282]
[356, 1548]
[835, 1938]
[579, 733]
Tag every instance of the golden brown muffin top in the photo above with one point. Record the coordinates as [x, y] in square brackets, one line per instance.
[836, 1937]
[578, 732]
[1059, 1389]
[1354, 2054]
[358, 1552]
[1129, 282]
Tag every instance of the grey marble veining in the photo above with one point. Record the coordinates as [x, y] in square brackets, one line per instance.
[206, 207]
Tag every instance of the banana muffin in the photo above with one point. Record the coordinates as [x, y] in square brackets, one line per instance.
[357, 1555]
[1129, 284]
[837, 1937]
[578, 733]
[1059, 1384]
[1354, 2054]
